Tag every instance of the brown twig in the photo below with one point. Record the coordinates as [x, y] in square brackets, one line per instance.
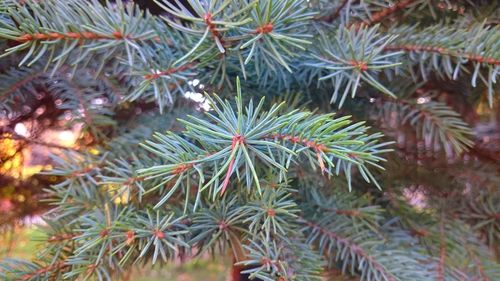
[382, 14]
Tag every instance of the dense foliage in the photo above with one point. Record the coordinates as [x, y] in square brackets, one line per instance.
[333, 136]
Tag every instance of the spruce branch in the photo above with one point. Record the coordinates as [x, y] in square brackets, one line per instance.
[28, 271]
[359, 251]
[471, 50]
[281, 259]
[435, 123]
[90, 28]
[347, 67]
[279, 28]
[240, 139]
[252, 178]
[382, 14]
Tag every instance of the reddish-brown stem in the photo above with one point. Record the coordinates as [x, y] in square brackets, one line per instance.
[350, 213]
[264, 29]
[237, 139]
[130, 236]
[317, 147]
[45, 270]
[132, 180]
[212, 28]
[85, 35]
[182, 167]
[380, 15]
[271, 212]
[443, 51]
[236, 271]
[159, 234]
[225, 183]
[168, 71]
[360, 65]
[62, 237]
[83, 171]
[419, 232]
[306, 142]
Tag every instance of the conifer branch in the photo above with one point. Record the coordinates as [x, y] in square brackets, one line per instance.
[384, 13]
[254, 178]
[446, 52]
[235, 140]
[341, 243]
[46, 271]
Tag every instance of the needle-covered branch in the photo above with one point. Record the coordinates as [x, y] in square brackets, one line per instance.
[242, 140]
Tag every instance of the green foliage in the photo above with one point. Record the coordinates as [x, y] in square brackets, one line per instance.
[289, 189]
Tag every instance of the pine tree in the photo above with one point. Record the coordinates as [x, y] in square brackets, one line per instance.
[333, 136]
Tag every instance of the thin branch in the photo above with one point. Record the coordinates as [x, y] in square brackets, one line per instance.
[169, 71]
[444, 51]
[50, 269]
[358, 250]
[52, 36]
[382, 14]
[17, 85]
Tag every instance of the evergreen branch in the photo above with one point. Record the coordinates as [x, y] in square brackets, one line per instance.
[85, 35]
[273, 214]
[360, 244]
[238, 177]
[89, 29]
[24, 271]
[276, 31]
[446, 52]
[281, 259]
[439, 116]
[434, 122]
[19, 83]
[234, 140]
[33, 73]
[362, 60]
[342, 243]
[384, 13]
[446, 238]
[477, 262]
[219, 228]
[452, 53]
[44, 271]
[156, 75]
[482, 212]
